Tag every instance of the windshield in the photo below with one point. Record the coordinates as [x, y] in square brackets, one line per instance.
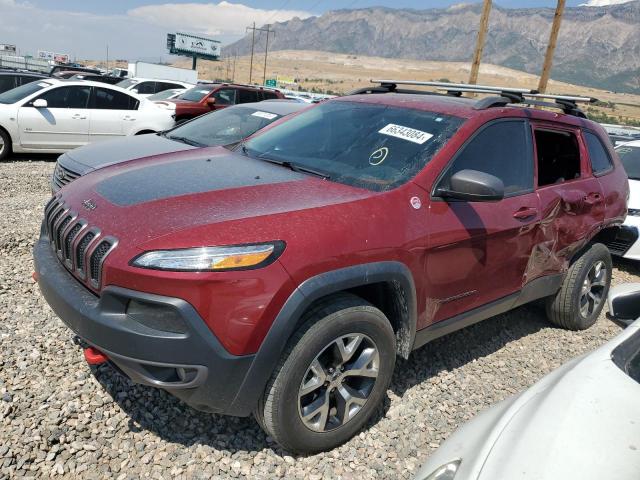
[127, 83]
[196, 94]
[17, 94]
[223, 127]
[630, 157]
[365, 145]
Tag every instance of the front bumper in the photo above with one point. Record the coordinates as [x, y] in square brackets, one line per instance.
[192, 364]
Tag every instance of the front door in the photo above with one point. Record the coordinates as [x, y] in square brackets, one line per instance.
[479, 251]
[62, 125]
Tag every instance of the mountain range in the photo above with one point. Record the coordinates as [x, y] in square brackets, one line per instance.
[598, 46]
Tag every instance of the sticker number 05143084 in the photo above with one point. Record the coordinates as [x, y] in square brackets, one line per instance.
[406, 133]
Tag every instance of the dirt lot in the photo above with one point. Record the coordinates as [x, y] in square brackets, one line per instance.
[59, 417]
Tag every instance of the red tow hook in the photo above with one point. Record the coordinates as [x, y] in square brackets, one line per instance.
[93, 356]
[35, 276]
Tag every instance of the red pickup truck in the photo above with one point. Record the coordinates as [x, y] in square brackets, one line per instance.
[203, 99]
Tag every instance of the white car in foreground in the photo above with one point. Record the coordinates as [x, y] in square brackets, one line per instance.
[54, 116]
[626, 243]
[580, 422]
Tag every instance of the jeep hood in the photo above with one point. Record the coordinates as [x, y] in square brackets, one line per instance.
[185, 197]
[102, 154]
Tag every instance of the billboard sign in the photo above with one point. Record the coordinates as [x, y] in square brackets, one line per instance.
[61, 58]
[44, 55]
[8, 49]
[192, 45]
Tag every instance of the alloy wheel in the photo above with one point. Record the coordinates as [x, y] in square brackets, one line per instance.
[593, 287]
[338, 382]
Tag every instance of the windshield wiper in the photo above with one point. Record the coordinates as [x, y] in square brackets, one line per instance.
[186, 140]
[298, 168]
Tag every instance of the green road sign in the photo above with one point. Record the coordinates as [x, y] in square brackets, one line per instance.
[270, 82]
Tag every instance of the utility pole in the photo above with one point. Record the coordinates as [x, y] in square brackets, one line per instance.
[107, 57]
[551, 48]
[482, 34]
[253, 41]
[233, 75]
[266, 50]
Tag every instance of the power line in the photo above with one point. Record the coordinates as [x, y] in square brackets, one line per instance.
[268, 31]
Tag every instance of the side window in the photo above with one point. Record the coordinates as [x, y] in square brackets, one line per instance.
[247, 96]
[162, 86]
[107, 99]
[269, 95]
[600, 160]
[502, 149]
[225, 96]
[558, 156]
[146, 88]
[7, 82]
[67, 97]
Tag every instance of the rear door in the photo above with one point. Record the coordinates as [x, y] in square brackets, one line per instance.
[479, 251]
[571, 199]
[113, 113]
[247, 96]
[62, 125]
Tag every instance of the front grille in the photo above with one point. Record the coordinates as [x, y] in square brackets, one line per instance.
[81, 248]
[63, 176]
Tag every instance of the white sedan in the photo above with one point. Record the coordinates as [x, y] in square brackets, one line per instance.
[580, 422]
[145, 87]
[54, 116]
[626, 243]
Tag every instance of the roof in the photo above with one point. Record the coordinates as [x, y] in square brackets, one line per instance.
[279, 107]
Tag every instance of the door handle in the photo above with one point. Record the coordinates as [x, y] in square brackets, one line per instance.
[592, 199]
[129, 119]
[525, 212]
[77, 116]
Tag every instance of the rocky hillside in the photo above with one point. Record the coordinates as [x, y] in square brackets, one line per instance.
[598, 46]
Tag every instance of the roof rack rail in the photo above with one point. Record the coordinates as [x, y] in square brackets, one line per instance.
[503, 96]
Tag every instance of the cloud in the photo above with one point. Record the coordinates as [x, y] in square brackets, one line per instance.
[210, 18]
[604, 3]
[139, 34]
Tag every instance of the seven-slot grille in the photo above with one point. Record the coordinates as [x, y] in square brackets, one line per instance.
[63, 175]
[81, 248]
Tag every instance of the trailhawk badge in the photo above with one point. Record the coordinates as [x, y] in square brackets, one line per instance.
[89, 204]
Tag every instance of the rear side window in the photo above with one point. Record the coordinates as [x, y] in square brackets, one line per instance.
[107, 99]
[558, 157]
[600, 160]
[247, 96]
[502, 149]
[268, 95]
[7, 82]
[67, 97]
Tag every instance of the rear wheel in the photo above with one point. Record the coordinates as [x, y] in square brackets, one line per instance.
[5, 145]
[331, 378]
[583, 294]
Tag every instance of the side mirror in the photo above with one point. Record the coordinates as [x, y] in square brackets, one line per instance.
[211, 101]
[40, 103]
[624, 302]
[473, 186]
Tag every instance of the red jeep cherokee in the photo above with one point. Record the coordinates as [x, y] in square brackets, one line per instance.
[205, 98]
[282, 279]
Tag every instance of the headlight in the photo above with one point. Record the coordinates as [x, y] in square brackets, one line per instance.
[635, 212]
[203, 259]
[444, 472]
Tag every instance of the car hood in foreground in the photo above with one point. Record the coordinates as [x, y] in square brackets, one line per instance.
[102, 154]
[580, 422]
[186, 197]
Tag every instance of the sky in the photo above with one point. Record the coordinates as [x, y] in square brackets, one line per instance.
[136, 29]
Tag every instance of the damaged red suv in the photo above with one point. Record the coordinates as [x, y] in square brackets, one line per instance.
[283, 278]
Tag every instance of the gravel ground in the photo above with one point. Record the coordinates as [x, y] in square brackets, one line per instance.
[59, 417]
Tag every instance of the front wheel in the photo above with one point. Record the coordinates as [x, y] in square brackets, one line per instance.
[583, 294]
[331, 378]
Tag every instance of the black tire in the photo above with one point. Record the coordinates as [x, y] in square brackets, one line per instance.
[337, 318]
[564, 308]
[5, 145]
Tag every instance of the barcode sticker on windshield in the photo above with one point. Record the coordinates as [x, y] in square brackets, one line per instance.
[406, 133]
[268, 116]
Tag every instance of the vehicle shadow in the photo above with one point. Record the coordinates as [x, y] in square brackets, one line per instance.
[631, 267]
[158, 412]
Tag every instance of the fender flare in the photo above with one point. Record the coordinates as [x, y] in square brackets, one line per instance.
[303, 296]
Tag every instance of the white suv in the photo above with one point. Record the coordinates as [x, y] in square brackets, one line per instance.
[146, 87]
[54, 116]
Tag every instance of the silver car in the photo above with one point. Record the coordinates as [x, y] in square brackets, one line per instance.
[580, 422]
